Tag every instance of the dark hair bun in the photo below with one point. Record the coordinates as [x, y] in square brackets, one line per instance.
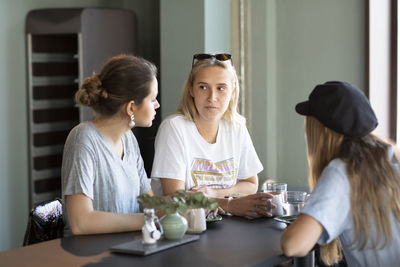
[91, 92]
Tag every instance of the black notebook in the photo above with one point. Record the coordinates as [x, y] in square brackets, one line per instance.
[137, 247]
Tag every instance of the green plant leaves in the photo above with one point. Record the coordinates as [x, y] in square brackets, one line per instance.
[178, 202]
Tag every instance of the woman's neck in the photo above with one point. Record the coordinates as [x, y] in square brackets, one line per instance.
[208, 130]
[112, 128]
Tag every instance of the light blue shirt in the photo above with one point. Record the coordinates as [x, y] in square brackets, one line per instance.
[329, 204]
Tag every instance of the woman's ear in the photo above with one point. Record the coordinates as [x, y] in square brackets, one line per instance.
[130, 107]
[234, 92]
[191, 91]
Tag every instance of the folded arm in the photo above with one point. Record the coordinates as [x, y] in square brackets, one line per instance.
[83, 219]
[246, 186]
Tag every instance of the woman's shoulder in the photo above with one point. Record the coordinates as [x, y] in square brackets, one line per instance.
[80, 129]
[333, 180]
[81, 138]
[175, 120]
[336, 163]
[336, 168]
[84, 132]
[237, 127]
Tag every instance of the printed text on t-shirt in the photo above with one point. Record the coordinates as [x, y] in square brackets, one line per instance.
[222, 174]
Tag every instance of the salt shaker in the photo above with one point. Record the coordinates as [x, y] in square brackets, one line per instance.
[150, 232]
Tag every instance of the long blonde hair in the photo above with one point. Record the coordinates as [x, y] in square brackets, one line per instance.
[375, 185]
[187, 107]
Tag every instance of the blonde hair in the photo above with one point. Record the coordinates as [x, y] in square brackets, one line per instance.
[187, 106]
[375, 185]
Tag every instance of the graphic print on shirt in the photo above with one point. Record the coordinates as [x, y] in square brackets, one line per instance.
[221, 174]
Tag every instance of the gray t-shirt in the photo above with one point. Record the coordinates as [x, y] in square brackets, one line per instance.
[91, 167]
[329, 204]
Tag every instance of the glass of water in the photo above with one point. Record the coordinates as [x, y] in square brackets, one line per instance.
[277, 190]
[275, 187]
[293, 202]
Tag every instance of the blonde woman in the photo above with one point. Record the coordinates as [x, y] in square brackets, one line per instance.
[354, 177]
[102, 170]
[206, 146]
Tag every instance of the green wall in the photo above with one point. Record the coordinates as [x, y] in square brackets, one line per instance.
[297, 45]
[188, 27]
[217, 26]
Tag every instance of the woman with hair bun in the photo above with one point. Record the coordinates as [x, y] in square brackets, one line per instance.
[102, 170]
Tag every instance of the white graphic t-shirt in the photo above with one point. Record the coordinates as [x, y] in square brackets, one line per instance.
[182, 153]
[214, 174]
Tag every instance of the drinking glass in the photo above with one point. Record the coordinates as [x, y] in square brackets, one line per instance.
[277, 190]
[277, 201]
[293, 202]
[275, 187]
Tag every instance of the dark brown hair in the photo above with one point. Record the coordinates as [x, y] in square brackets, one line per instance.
[123, 78]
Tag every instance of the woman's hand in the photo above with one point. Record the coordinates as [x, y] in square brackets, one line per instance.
[253, 206]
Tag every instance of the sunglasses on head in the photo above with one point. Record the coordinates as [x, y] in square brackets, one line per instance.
[220, 57]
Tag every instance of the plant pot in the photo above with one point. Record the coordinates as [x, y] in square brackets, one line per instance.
[174, 226]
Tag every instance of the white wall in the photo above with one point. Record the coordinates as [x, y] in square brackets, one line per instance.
[13, 111]
[380, 57]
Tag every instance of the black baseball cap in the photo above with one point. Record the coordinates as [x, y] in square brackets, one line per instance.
[341, 107]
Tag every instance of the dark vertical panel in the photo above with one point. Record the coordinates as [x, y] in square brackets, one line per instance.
[50, 44]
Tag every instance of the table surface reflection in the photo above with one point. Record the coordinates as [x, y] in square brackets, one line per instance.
[234, 241]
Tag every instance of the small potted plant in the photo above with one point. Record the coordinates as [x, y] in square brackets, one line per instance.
[173, 223]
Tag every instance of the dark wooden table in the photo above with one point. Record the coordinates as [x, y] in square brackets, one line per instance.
[234, 241]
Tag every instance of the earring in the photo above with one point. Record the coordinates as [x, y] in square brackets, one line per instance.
[132, 123]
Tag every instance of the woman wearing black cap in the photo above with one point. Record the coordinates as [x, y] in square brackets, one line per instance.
[355, 183]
